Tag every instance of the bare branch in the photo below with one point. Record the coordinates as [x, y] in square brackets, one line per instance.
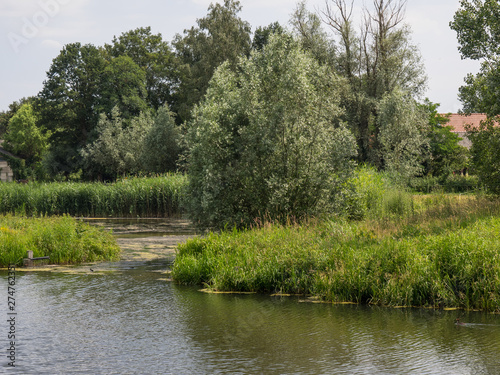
[335, 20]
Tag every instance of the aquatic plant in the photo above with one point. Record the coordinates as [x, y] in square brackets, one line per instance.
[159, 196]
[64, 239]
[417, 261]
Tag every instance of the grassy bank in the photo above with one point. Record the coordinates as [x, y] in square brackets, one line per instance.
[66, 240]
[134, 197]
[447, 253]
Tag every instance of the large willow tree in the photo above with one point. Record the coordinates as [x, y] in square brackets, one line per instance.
[266, 141]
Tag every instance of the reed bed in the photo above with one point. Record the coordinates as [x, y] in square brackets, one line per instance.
[64, 239]
[159, 196]
[442, 258]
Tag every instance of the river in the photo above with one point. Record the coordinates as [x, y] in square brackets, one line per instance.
[127, 318]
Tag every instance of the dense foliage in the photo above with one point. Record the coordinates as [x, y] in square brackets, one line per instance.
[281, 150]
[485, 153]
[376, 62]
[221, 36]
[253, 131]
[446, 154]
[478, 33]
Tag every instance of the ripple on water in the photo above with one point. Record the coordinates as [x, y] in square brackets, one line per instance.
[131, 321]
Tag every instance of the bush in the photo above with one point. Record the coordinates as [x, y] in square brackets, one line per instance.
[451, 184]
[485, 153]
[266, 141]
[376, 196]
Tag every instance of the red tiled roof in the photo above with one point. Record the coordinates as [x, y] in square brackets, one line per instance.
[458, 122]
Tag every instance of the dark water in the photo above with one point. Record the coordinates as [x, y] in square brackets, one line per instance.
[137, 323]
[133, 321]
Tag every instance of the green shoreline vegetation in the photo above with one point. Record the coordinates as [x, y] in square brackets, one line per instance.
[159, 196]
[301, 124]
[64, 239]
[443, 254]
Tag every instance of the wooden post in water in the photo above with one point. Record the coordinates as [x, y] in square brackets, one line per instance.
[28, 261]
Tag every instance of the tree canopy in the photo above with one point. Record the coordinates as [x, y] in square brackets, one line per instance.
[282, 103]
[478, 33]
[220, 36]
[267, 139]
[378, 61]
[156, 59]
[24, 137]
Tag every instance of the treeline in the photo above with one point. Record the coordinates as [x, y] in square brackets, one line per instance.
[265, 123]
[109, 110]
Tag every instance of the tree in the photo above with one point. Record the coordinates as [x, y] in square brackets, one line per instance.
[485, 153]
[24, 137]
[478, 33]
[5, 116]
[69, 103]
[378, 61]
[162, 143]
[262, 34]
[154, 56]
[266, 139]
[402, 137]
[446, 154]
[123, 85]
[313, 38]
[220, 36]
[117, 149]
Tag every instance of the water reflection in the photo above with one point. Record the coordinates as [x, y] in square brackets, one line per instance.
[284, 336]
[135, 322]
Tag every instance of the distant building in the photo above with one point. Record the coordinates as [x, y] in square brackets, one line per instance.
[6, 173]
[458, 122]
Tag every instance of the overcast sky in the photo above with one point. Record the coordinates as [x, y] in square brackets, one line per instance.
[32, 32]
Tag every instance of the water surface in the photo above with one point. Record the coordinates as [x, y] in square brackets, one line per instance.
[128, 319]
[135, 322]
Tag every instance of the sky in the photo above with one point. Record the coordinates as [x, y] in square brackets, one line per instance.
[32, 33]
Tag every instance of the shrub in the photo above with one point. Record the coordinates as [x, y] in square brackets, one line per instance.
[485, 153]
[266, 141]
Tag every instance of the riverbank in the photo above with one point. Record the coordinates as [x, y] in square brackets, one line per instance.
[144, 244]
[445, 255]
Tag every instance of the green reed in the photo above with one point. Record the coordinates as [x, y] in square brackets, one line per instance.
[409, 264]
[160, 196]
[64, 239]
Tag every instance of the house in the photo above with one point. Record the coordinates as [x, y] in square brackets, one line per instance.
[458, 122]
[6, 173]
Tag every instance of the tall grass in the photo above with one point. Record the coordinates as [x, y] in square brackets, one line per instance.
[160, 196]
[64, 239]
[376, 196]
[408, 263]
